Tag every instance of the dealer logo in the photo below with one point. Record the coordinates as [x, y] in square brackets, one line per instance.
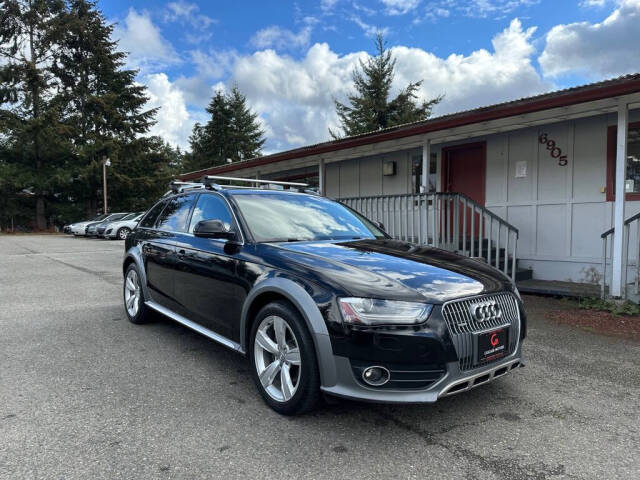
[484, 311]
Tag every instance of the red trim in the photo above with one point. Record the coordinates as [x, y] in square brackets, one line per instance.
[587, 93]
[612, 140]
[464, 146]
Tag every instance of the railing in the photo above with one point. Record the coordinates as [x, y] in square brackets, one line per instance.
[451, 221]
[626, 244]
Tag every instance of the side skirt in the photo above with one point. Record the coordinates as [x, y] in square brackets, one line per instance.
[195, 326]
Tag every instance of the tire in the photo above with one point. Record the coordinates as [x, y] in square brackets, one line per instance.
[122, 233]
[279, 359]
[137, 312]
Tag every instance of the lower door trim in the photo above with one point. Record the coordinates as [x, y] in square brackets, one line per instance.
[195, 326]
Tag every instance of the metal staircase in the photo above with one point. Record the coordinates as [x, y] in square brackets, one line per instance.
[451, 221]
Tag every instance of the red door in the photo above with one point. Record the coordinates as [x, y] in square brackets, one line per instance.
[463, 171]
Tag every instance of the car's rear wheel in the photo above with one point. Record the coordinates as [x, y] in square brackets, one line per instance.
[283, 358]
[123, 233]
[137, 311]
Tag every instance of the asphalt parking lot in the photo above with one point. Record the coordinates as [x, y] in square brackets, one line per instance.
[85, 394]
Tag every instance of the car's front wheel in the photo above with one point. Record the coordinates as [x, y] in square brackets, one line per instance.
[283, 358]
[123, 233]
[137, 311]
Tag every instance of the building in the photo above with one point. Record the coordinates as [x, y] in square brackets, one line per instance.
[543, 170]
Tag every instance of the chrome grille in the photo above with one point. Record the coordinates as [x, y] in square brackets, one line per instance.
[462, 325]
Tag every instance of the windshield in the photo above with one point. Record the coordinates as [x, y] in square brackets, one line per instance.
[130, 216]
[289, 217]
[99, 217]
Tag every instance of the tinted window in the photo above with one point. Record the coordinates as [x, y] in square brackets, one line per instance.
[150, 220]
[210, 207]
[275, 217]
[175, 215]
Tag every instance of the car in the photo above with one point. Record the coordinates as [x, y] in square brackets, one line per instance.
[91, 229]
[80, 227]
[320, 299]
[121, 228]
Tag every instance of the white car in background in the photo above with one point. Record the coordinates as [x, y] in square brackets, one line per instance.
[121, 228]
[79, 228]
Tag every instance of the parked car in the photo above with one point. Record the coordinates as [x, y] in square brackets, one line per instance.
[92, 228]
[80, 227]
[320, 299]
[121, 228]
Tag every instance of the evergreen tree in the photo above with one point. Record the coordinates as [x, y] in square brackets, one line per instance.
[369, 109]
[30, 117]
[233, 133]
[104, 107]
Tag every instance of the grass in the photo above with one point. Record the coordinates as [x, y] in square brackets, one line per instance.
[615, 308]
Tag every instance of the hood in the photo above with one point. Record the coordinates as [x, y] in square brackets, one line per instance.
[396, 270]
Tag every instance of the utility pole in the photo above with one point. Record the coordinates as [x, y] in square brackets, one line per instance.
[105, 163]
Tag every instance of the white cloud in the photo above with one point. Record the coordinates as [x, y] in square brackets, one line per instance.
[173, 121]
[148, 49]
[188, 14]
[496, 9]
[595, 49]
[368, 29]
[400, 7]
[281, 38]
[295, 97]
[593, 3]
[327, 5]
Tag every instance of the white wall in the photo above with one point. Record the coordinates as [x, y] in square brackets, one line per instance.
[560, 210]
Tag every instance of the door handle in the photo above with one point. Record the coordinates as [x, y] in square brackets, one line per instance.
[181, 253]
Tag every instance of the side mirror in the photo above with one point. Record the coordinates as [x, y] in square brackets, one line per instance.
[213, 229]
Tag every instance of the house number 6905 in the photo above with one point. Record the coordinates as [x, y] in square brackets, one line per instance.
[554, 151]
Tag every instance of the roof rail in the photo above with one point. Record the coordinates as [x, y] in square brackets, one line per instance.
[210, 181]
[178, 186]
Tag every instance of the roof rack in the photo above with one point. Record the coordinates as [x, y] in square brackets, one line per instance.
[178, 187]
[209, 182]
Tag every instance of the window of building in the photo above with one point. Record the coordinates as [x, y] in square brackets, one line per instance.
[632, 177]
[210, 207]
[416, 172]
[175, 215]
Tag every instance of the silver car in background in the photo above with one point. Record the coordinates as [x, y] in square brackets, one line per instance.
[121, 228]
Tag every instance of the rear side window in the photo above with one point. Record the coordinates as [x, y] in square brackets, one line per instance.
[150, 219]
[175, 215]
[210, 207]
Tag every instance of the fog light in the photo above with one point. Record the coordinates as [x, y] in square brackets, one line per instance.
[375, 376]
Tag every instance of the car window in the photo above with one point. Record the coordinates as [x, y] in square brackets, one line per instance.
[175, 215]
[277, 217]
[131, 216]
[210, 207]
[150, 219]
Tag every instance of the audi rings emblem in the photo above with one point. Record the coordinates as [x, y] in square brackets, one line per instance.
[483, 311]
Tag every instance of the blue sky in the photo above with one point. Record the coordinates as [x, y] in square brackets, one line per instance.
[292, 59]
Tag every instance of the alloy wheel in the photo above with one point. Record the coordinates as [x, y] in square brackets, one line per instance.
[123, 233]
[132, 293]
[277, 358]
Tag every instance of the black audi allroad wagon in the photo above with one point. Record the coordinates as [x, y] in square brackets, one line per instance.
[320, 298]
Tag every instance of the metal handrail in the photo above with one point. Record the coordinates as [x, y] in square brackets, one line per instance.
[447, 220]
[625, 256]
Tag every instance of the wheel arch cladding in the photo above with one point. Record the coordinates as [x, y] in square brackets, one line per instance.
[133, 256]
[274, 289]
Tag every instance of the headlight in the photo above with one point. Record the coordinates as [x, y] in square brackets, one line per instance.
[371, 311]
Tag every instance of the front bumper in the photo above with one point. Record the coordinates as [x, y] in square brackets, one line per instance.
[454, 381]
[425, 362]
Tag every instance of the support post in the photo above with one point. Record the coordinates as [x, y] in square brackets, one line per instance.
[321, 177]
[426, 157]
[618, 269]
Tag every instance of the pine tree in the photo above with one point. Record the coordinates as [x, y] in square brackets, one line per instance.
[233, 133]
[104, 107]
[30, 117]
[369, 109]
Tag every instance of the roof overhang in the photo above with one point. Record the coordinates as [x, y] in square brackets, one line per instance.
[580, 102]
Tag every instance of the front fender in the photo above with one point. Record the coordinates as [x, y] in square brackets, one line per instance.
[301, 299]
